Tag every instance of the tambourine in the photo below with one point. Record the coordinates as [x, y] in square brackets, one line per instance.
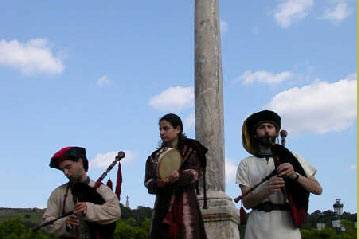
[169, 161]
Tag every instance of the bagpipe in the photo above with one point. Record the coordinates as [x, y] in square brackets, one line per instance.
[298, 197]
[83, 192]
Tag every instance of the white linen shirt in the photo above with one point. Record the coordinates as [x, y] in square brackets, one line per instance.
[274, 224]
[106, 213]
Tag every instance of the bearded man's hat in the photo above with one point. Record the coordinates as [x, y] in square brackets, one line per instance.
[252, 122]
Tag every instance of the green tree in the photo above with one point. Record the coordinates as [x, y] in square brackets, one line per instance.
[14, 228]
[126, 230]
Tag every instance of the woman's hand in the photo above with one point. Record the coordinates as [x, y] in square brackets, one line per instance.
[169, 180]
[161, 183]
[173, 177]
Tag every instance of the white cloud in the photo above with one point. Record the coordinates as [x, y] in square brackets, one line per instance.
[173, 98]
[249, 77]
[31, 57]
[320, 107]
[103, 81]
[190, 121]
[353, 166]
[103, 160]
[231, 169]
[288, 11]
[224, 26]
[338, 12]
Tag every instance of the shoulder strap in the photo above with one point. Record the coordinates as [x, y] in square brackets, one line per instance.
[64, 201]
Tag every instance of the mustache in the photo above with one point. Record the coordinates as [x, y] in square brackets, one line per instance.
[267, 139]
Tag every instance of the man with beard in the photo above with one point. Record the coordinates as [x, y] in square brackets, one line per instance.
[95, 210]
[271, 216]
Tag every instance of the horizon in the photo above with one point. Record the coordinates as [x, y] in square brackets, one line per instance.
[247, 210]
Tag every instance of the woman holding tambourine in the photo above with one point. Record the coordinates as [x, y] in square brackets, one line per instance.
[172, 173]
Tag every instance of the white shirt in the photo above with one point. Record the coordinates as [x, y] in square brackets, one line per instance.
[106, 213]
[274, 224]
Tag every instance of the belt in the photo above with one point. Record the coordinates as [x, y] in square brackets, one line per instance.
[268, 207]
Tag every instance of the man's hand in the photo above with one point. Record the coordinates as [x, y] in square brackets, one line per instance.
[286, 170]
[275, 184]
[80, 209]
[71, 221]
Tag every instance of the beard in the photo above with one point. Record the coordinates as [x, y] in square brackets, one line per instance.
[266, 140]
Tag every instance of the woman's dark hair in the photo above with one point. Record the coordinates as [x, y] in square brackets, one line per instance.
[175, 121]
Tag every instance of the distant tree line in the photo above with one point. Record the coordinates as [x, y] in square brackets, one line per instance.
[348, 221]
[327, 218]
[135, 224]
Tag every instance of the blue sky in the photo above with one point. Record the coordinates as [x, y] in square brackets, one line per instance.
[100, 74]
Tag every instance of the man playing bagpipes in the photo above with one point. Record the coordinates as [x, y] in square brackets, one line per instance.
[275, 182]
[91, 208]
